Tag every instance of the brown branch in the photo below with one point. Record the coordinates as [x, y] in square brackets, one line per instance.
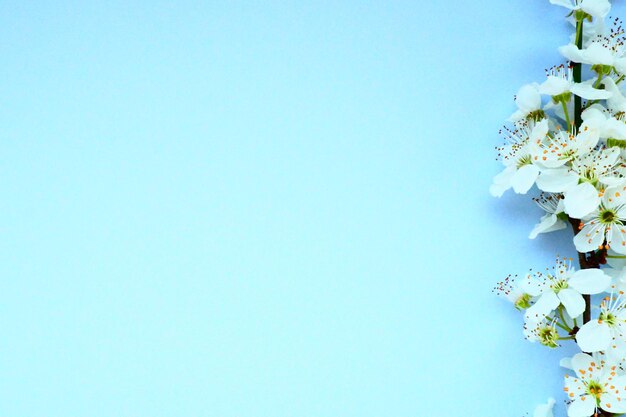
[586, 261]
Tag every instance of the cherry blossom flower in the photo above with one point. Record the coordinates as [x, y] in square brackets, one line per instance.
[562, 286]
[607, 223]
[511, 291]
[595, 8]
[607, 332]
[560, 85]
[596, 385]
[552, 204]
[579, 181]
[543, 331]
[528, 100]
[520, 172]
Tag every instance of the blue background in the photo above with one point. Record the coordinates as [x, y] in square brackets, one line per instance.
[266, 208]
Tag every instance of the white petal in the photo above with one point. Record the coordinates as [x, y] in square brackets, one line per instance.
[610, 402]
[617, 102]
[545, 410]
[589, 281]
[573, 302]
[596, 8]
[571, 52]
[586, 91]
[528, 98]
[548, 223]
[566, 363]
[620, 65]
[581, 200]
[574, 386]
[564, 3]
[582, 408]
[589, 238]
[593, 336]
[614, 128]
[616, 239]
[596, 53]
[612, 155]
[524, 178]
[556, 180]
[581, 361]
[554, 86]
[545, 305]
[530, 285]
[502, 181]
[615, 195]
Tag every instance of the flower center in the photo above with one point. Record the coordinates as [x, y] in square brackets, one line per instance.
[609, 318]
[548, 336]
[524, 160]
[559, 285]
[607, 216]
[523, 302]
[595, 389]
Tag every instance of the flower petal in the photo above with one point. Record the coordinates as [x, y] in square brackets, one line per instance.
[582, 407]
[611, 403]
[581, 200]
[573, 302]
[571, 52]
[502, 181]
[593, 336]
[524, 178]
[548, 223]
[556, 180]
[545, 410]
[589, 281]
[586, 91]
[616, 238]
[565, 3]
[590, 237]
[596, 8]
[545, 305]
[581, 361]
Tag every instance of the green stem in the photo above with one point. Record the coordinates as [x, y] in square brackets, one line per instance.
[578, 74]
[598, 80]
[567, 328]
[567, 119]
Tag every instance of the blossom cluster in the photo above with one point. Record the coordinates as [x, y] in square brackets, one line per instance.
[567, 141]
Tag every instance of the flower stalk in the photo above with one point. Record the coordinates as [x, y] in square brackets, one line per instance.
[568, 139]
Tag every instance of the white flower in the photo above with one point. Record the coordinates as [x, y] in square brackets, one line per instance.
[543, 331]
[555, 150]
[617, 102]
[511, 291]
[561, 81]
[606, 51]
[562, 286]
[545, 410]
[579, 182]
[552, 204]
[595, 8]
[520, 172]
[596, 385]
[606, 223]
[607, 332]
[598, 124]
[528, 100]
